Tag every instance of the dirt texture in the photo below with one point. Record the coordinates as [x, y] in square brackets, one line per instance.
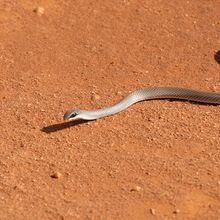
[155, 160]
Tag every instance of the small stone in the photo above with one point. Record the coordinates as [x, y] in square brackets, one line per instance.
[95, 97]
[56, 175]
[153, 211]
[176, 211]
[136, 188]
[39, 10]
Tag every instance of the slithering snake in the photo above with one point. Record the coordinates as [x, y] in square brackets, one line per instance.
[145, 94]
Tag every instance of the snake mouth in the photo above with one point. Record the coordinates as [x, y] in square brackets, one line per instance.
[69, 119]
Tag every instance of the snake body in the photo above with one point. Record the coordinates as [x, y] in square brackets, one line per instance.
[145, 94]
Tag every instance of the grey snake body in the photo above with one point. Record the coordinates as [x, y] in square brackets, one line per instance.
[145, 94]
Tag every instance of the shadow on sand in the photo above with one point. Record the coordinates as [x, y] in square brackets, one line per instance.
[61, 126]
[217, 57]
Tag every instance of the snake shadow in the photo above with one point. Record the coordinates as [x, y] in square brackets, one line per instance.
[60, 126]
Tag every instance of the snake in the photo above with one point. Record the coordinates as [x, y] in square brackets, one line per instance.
[175, 93]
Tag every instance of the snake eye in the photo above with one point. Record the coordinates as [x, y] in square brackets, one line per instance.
[70, 114]
[74, 114]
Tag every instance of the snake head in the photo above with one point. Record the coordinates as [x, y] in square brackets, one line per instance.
[71, 114]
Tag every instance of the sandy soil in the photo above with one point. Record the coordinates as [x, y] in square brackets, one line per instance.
[155, 160]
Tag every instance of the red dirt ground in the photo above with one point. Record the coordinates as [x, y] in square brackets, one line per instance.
[155, 160]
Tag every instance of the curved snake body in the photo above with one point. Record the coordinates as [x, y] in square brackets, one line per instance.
[145, 94]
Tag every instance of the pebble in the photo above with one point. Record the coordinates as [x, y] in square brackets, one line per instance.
[176, 211]
[153, 211]
[39, 10]
[95, 97]
[136, 188]
[56, 175]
